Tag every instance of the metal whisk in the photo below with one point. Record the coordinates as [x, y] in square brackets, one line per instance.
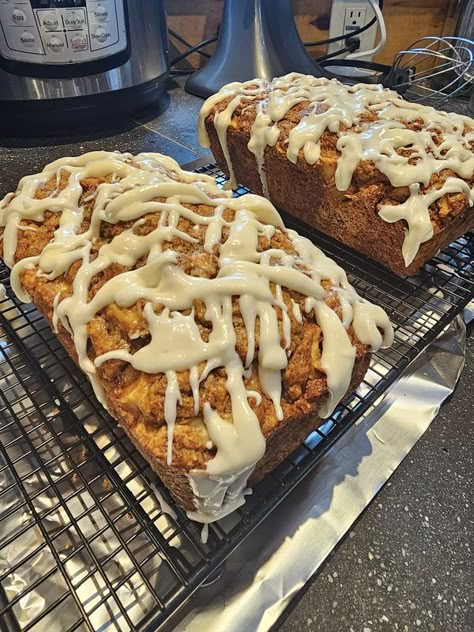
[436, 68]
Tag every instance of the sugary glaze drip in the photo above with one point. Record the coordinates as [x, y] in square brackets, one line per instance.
[408, 158]
[138, 187]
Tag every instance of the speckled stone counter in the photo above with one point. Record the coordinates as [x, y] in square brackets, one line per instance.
[407, 562]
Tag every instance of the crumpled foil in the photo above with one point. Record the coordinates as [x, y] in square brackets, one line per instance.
[264, 573]
[273, 564]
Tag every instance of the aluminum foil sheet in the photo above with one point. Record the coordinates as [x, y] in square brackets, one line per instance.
[258, 580]
[273, 564]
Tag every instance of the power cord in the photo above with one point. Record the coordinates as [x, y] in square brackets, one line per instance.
[180, 72]
[338, 38]
[383, 33]
[346, 36]
[192, 49]
[389, 76]
[353, 44]
[181, 39]
[378, 73]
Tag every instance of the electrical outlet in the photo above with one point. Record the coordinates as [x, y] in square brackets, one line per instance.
[348, 16]
[354, 18]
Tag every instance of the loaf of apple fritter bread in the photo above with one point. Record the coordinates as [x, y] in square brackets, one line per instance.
[391, 179]
[216, 338]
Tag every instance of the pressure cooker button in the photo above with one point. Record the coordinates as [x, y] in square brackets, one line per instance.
[50, 21]
[78, 42]
[18, 17]
[74, 20]
[100, 13]
[27, 39]
[101, 35]
[55, 44]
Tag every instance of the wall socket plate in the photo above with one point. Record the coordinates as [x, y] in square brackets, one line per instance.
[354, 18]
[348, 16]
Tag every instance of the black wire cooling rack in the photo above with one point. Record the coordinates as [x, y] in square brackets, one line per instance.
[84, 543]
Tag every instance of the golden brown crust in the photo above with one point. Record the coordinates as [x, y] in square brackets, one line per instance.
[309, 193]
[286, 437]
[136, 399]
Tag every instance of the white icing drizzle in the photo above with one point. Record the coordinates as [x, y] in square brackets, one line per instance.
[30, 228]
[176, 344]
[205, 533]
[297, 312]
[55, 312]
[412, 211]
[217, 496]
[341, 109]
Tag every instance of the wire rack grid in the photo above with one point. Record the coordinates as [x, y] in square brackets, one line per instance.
[89, 539]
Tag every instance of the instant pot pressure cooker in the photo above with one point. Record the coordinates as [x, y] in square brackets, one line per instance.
[66, 60]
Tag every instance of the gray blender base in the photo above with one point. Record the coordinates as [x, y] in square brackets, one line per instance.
[257, 38]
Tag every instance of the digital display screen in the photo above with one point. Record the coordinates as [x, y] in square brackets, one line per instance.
[57, 4]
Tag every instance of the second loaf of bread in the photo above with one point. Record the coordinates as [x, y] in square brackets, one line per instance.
[389, 178]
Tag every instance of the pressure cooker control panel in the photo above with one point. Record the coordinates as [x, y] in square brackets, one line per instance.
[61, 31]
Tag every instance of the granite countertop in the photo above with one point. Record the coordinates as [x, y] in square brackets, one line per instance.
[407, 562]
